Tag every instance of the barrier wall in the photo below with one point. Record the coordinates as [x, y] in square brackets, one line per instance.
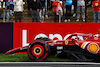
[24, 33]
[6, 37]
[21, 34]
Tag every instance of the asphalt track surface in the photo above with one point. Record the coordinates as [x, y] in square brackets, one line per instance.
[49, 64]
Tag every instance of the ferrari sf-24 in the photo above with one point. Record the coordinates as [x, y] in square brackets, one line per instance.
[77, 46]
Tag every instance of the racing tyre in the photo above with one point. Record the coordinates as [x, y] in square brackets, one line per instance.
[38, 50]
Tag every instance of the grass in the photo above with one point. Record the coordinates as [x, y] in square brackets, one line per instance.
[25, 58]
[13, 58]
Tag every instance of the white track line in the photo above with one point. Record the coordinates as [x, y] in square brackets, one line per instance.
[49, 63]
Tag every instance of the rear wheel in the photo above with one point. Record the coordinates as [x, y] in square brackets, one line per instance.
[38, 50]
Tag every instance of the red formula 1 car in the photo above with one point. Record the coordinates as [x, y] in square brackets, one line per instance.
[77, 46]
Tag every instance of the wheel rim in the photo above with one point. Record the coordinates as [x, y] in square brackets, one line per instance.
[37, 50]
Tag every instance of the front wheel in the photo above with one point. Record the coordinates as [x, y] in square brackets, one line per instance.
[38, 50]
